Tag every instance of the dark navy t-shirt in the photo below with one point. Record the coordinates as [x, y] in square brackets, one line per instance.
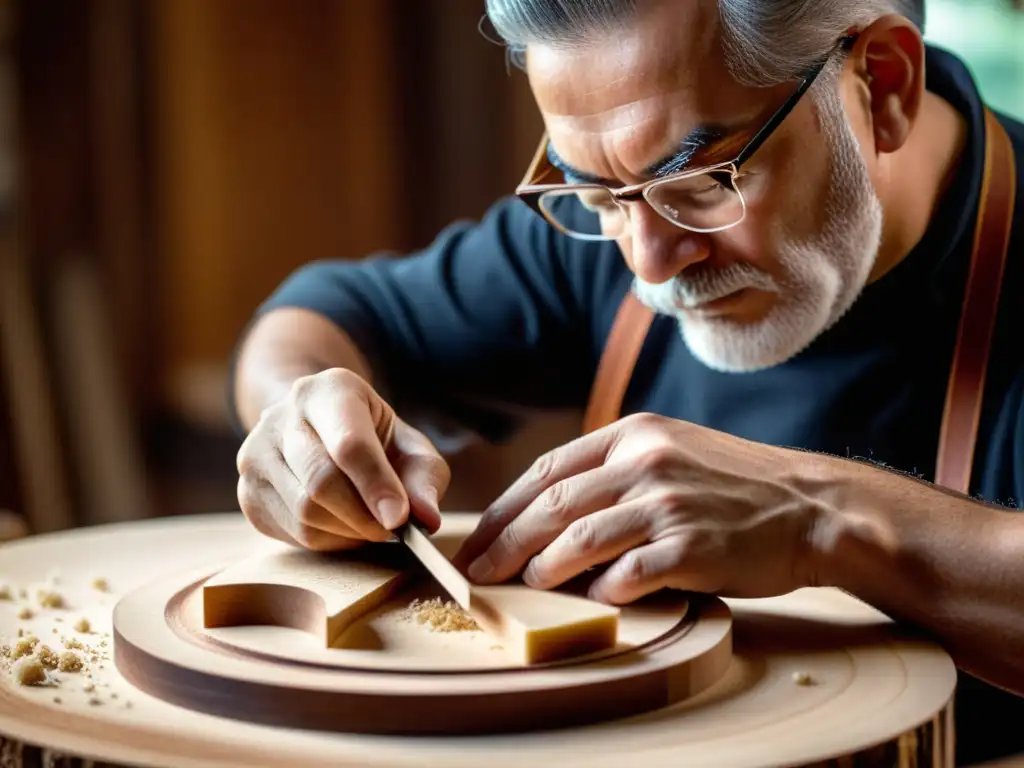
[506, 313]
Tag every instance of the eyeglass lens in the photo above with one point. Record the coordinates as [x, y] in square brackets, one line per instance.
[702, 203]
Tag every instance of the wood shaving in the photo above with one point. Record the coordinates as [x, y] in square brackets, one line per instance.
[24, 647]
[50, 599]
[29, 671]
[47, 657]
[70, 662]
[802, 678]
[441, 616]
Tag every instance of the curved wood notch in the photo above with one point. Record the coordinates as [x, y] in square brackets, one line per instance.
[321, 594]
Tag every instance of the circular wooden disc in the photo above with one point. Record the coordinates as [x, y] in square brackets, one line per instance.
[873, 689]
[160, 648]
[387, 640]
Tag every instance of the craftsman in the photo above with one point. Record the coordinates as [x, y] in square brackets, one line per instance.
[782, 424]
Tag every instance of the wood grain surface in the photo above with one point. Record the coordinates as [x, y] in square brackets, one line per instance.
[872, 695]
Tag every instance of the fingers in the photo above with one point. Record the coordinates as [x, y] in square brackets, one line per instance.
[639, 572]
[579, 456]
[423, 472]
[270, 515]
[315, 489]
[590, 541]
[692, 558]
[331, 464]
[565, 505]
[347, 431]
[327, 502]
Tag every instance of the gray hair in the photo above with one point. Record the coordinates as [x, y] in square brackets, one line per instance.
[767, 42]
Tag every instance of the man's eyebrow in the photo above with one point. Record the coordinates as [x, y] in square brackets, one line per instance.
[701, 138]
[698, 139]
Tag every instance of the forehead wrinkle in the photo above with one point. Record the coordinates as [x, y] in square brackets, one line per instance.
[618, 112]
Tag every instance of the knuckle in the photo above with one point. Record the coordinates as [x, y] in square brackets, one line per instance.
[583, 535]
[510, 539]
[632, 567]
[659, 460]
[644, 420]
[248, 497]
[555, 503]
[668, 501]
[305, 509]
[343, 378]
[543, 467]
[350, 448]
[302, 387]
[244, 460]
[320, 483]
[255, 446]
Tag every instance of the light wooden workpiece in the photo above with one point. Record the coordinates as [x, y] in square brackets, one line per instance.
[797, 680]
[539, 625]
[323, 594]
[320, 594]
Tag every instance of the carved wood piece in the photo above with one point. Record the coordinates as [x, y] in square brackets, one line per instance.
[321, 594]
[541, 625]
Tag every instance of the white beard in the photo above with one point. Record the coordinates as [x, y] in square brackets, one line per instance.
[821, 276]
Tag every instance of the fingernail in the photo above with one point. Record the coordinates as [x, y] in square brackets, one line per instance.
[481, 569]
[391, 512]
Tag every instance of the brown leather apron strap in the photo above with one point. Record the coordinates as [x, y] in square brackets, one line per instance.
[970, 357]
[966, 389]
[626, 339]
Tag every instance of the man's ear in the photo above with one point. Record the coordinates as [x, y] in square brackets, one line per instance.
[889, 58]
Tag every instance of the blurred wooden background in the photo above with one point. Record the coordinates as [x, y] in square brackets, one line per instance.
[164, 164]
[172, 161]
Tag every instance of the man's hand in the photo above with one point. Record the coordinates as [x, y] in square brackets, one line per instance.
[666, 503]
[331, 466]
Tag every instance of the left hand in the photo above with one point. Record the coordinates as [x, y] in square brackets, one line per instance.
[667, 504]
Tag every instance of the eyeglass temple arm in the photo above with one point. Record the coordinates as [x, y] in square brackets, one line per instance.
[844, 43]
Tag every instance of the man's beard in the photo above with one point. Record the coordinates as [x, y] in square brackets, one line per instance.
[820, 277]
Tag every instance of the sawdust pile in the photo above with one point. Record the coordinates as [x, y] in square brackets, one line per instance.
[441, 616]
[70, 664]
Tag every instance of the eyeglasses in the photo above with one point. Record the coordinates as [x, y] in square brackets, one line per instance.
[707, 199]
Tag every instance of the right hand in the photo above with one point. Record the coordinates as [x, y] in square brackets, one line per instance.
[331, 466]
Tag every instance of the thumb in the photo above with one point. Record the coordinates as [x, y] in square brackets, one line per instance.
[423, 471]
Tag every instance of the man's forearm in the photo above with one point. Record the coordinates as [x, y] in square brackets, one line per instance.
[283, 346]
[950, 565]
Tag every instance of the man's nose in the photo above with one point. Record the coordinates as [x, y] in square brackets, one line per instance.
[659, 250]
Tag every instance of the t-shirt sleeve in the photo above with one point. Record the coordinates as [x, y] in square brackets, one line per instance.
[493, 318]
